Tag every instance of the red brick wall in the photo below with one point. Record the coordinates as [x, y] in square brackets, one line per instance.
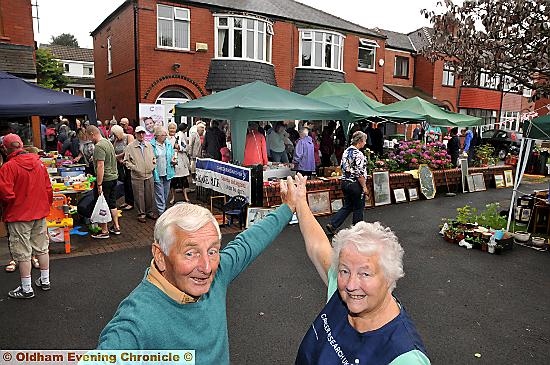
[16, 25]
[389, 68]
[540, 105]
[445, 94]
[511, 101]
[286, 44]
[115, 91]
[477, 98]
[369, 82]
[424, 75]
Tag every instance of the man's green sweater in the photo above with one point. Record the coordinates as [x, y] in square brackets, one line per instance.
[148, 319]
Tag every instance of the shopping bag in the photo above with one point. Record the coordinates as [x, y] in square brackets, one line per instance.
[101, 213]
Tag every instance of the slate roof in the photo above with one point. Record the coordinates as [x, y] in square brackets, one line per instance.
[421, 37]
[283, 9]
[70, 53]
[18, 60]
[397, 40]
[408, 92]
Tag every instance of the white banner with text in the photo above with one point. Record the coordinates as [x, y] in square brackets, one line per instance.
[223, 177]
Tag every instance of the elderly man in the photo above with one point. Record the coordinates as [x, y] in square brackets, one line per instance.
[139, 158]
[106, 178]
[181, 301]
[126, 127]
[26, 197]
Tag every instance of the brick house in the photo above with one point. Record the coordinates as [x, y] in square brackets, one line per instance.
[78, 64]
[17, 39]
[167, 52]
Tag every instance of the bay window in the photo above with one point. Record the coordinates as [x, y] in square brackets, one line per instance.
[321, 49]
[243, 37]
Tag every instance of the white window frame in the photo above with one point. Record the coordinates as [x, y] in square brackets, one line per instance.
[66, 67]
[337, 41]
[395, 67]
[509, 120]
[448, 78]
[368, 44]
[68, 90]
[84, 71]
[109, 56]
[488, 83]
[92, 91]
[264, 55]
[185, 17]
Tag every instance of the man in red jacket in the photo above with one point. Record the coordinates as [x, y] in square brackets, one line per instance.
[26, 196]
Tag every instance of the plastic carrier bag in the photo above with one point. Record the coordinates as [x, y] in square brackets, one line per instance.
[101, 213]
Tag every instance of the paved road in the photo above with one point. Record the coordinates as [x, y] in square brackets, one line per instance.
[463, 301]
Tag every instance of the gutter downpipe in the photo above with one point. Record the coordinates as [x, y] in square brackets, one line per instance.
[136, 59]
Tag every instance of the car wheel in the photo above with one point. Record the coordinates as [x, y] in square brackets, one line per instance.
[502, 154]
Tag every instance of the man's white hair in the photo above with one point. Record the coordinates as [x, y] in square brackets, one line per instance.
[185, 216]
[372, 238]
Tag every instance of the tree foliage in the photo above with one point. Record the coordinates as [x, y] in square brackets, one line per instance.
[49, 71]
[510, 38]
[65, 39]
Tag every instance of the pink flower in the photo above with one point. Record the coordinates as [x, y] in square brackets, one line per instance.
[414, 160]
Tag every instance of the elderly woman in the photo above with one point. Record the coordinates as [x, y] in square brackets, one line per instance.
[120, 140]
[196, 139]
[182, 173]
[164, 168]
[304, 159]
[362, 322]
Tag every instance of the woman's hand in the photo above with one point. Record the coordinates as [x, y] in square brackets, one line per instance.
[293, 191]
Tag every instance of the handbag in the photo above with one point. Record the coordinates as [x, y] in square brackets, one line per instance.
[101, 213]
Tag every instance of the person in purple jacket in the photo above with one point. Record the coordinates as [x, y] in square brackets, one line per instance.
[304, 154]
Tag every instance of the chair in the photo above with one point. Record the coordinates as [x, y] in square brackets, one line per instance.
[235, 207]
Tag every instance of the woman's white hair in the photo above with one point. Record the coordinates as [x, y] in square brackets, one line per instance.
[173, 124]
[372, 238]
[117, 131]
[158, 130]
[357, 137]
[185, 216]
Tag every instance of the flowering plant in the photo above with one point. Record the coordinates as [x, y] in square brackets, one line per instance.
[410, 154]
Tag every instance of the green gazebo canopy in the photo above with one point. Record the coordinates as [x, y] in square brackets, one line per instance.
[538, 128]
[328, 88]
[431, 113]
[258, 101]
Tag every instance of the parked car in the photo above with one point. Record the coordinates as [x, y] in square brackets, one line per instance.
[503, 141]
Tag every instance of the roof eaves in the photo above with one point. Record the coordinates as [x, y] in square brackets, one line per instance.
[111, 16]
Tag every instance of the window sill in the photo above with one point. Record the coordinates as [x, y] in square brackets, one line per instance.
[401, 77]
[320, 68]
[449, 86]
[241, 59]
[178, 50]
[4, 38]
[373, 71]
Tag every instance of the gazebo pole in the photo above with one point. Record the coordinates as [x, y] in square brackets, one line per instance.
[36, 137]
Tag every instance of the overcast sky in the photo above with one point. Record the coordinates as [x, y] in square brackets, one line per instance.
[80, 17]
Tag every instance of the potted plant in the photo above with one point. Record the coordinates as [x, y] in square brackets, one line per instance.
[483, 153]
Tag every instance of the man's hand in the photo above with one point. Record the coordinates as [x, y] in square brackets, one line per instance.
[293, 191]
[100, 189]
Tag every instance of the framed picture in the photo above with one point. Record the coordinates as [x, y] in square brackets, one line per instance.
[254, 215]
[499, 181]
[335, 205]
[399, 195]
[319, 202]
[381, 183]
[508, 178]
[479, 181]
[463, 163]
[427, 183]
[470, 183]
[413, 194]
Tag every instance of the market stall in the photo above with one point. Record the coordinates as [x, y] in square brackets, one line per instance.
[19, 98]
